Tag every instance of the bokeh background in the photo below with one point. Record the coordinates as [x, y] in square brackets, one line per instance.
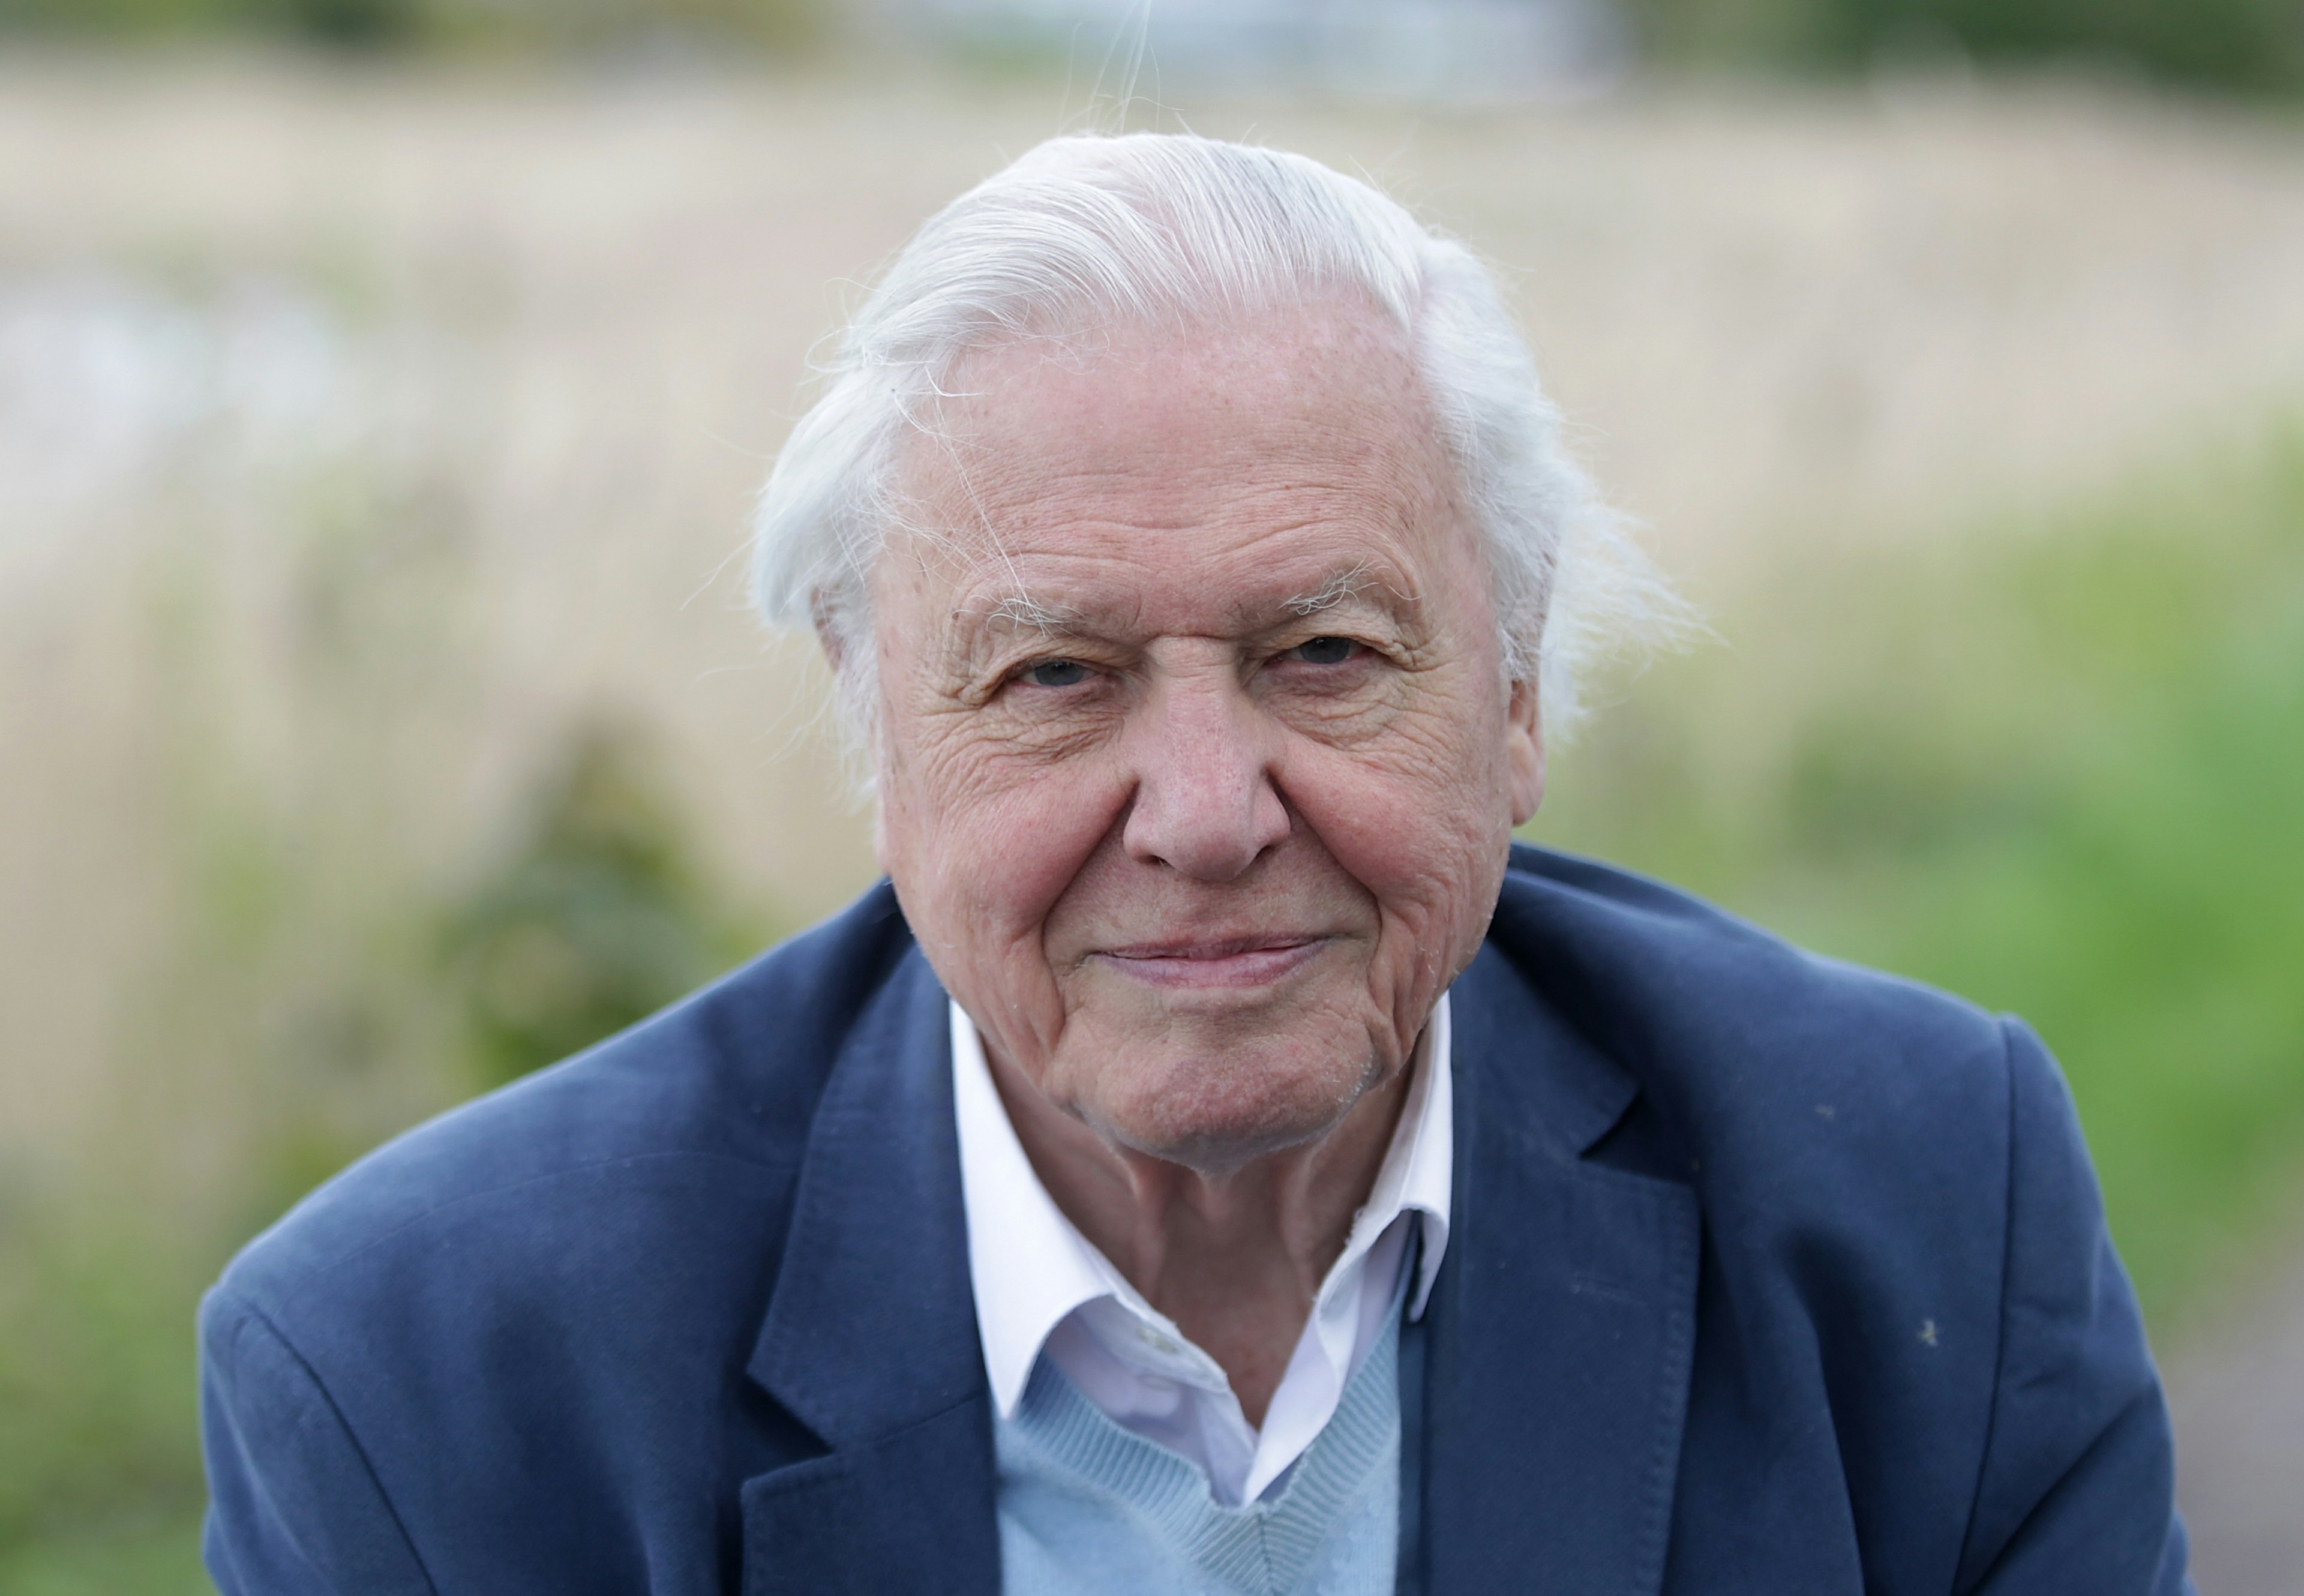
[382, 387]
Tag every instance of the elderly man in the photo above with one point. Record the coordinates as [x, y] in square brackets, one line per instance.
[1218, 1159]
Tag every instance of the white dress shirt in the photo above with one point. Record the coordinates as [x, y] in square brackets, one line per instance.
[1042, 1288]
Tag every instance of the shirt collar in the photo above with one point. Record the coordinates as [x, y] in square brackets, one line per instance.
[1031, 1268]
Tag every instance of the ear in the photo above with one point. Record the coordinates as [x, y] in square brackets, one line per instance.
[1524, 750]
[828, 635]
[835, 651]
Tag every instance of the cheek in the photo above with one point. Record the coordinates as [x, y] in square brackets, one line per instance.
[985, 852]
[1403, 820]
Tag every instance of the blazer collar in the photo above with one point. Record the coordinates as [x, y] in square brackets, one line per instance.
[870, 1336]
[1561, 1329]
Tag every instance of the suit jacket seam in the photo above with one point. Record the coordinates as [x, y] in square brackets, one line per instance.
[256, 1315]
[2095, 1443]
[1664, 1477]
[1967, 1552]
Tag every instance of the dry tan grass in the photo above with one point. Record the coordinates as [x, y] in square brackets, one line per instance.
[358, 432]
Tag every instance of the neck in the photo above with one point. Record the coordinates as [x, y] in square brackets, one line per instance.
[1234, 1256]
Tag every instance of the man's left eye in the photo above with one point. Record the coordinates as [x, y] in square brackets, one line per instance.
[1325, 650]
[1056, 673]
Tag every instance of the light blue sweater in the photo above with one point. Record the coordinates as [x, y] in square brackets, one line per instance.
[1086, 1505]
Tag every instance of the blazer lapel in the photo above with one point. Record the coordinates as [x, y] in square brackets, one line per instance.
[870, 1338]
[1560, 1327]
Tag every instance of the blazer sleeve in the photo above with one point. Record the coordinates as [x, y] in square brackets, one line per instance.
[294, 1508]
[2077, 1493]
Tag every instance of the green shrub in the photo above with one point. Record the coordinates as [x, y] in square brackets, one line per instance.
[767, 25]
[596, 918]
[2253, 46]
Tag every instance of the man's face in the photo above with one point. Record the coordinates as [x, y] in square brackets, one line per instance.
[1197, 768]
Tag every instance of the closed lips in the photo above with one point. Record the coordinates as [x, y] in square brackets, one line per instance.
[1237, 961]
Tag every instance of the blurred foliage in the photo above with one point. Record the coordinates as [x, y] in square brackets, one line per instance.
[2060, 771]
[775, 26]
[99, 1465]
[596, 919]
[2251, 45]
[593, 917]
[2248, 46]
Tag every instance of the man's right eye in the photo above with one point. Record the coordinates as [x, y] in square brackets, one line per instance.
[1056, 673]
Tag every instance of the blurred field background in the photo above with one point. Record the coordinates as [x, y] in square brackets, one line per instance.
[383, 384]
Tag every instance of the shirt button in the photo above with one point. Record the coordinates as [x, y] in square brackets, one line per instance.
[1154, 1339]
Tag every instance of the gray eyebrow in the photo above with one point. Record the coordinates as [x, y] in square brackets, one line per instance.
[1343, 585]
[1024, 611]
[1021, 609]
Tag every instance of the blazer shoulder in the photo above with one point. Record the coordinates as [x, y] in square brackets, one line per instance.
[728, 1076]
[1768, 1061]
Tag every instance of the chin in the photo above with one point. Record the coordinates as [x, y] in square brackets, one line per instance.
[1215, 1114]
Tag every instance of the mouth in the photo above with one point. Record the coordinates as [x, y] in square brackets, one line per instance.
[1239, 962]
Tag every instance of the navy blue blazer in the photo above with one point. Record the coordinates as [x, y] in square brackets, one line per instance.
[1765, 1274]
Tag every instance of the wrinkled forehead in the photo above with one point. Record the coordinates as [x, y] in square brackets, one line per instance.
[1322, 345]
[1300, 435]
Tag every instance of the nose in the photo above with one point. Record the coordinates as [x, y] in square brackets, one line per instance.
[1204, 804]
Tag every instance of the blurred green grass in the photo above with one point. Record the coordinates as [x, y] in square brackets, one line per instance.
[99, 1463]
[2055, 764]
[160, 1558]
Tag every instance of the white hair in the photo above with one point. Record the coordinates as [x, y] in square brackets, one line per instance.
[1085, 232]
